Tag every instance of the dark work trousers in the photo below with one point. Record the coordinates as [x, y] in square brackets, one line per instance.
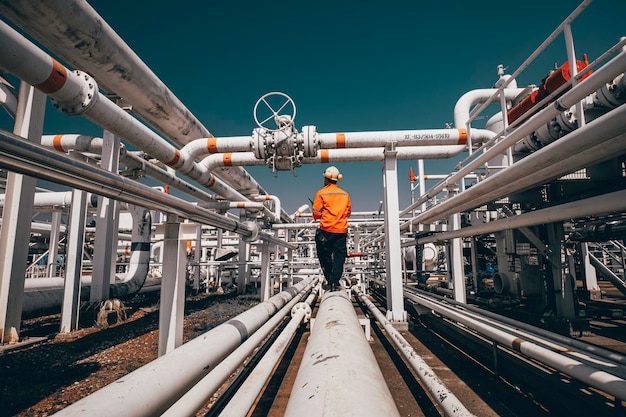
[332, 252]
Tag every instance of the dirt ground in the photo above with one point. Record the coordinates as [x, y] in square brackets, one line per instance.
[54, 371]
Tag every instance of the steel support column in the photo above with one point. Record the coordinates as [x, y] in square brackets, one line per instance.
[172, 306]
[457, 273]
[53, 245]
[393, 248]
[17, 217]
[563, 287]
[105, 246]
[74, 262]
[265, 271]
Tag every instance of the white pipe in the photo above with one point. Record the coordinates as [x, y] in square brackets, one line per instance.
[401, 138]
[68, 142]
[153, 388]
[446, 399]
[242, 402]
[604, 204]
[301, 210]
[560, 157]
[117, 68]
[199, 395]
[592, 83]
[594, 377]
[471, 98]
[339, 375]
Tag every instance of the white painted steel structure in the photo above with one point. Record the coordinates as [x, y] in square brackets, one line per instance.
[504, 189]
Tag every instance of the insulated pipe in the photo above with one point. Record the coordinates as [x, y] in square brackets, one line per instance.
[378, 154]
[75, 93]
[46, 294]
[601, 139]
[604, 204]
[446, 399]
[153, 388]
[609, 71]
[471, 98]
[95, 47]
[242, 402]
[54, 199]
[200, 394]
[66, 143]
[28, 158]
[401, 138]
[339, 375]
[601, 380]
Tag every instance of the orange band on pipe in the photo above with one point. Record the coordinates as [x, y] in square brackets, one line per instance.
[174, 160]
[55, 81]
[212, 181]
[211, 145]
[56, 143]
[241, 205]
[324, 155]
[228, 159]
[341, 140]
[462, 136]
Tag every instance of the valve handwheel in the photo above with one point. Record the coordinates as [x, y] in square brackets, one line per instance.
[275, 102]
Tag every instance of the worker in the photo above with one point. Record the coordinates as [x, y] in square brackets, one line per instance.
[332, 207]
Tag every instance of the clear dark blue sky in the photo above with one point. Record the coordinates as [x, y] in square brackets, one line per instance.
[348, 65]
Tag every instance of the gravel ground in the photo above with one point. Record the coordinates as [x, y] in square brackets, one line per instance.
[54, 371]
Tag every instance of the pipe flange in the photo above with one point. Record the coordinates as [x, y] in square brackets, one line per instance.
[85, 98]
[310, 141]
[302, 306]
[254, 229]
[258, 143]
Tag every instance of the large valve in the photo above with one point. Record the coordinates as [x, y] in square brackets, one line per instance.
[280, 146]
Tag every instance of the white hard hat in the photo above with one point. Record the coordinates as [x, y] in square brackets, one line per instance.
[332, 173]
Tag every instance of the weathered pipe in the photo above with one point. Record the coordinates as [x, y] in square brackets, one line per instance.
[153, 388]
[339, 375]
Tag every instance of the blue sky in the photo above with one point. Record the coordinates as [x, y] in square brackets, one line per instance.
[348, 65]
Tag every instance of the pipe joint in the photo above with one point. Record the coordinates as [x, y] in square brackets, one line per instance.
[85, 96]
[302, 307]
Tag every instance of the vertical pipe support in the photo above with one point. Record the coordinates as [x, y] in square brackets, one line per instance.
[76, 237]
[17, 217]
[393, 249]
[457, 273]
[105, 245]
[172, 306]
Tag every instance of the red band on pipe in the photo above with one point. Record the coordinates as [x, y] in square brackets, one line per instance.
[211, 145]
[56, 143]
[174, 160]
[341, 140]
[55, 81]
[324, 155]
[462, 136]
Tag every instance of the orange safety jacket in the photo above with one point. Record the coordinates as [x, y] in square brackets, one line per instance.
[332, 207]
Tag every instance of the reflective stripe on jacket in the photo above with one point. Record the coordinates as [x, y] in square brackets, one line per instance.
[332, 207]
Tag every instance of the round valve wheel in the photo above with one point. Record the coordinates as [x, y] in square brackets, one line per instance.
[272, 105]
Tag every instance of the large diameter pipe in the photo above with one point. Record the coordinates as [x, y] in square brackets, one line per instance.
[601, 380]
[153, 388]
[339, 375]
[95, 48]
[558, 158]
[609, 71]
[446, 399]
[27, 158]
[200, 394]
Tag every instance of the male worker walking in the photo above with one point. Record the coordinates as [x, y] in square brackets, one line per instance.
[332, 207]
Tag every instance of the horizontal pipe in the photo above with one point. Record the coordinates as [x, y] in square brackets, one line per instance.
[537, 168]
[200, 393]
[153, 388]
[609, 71]
[604, 204]
[446, 399]
[31, 159]
[339, 375]
[601, 380]
[243, 400]
[431, 137]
